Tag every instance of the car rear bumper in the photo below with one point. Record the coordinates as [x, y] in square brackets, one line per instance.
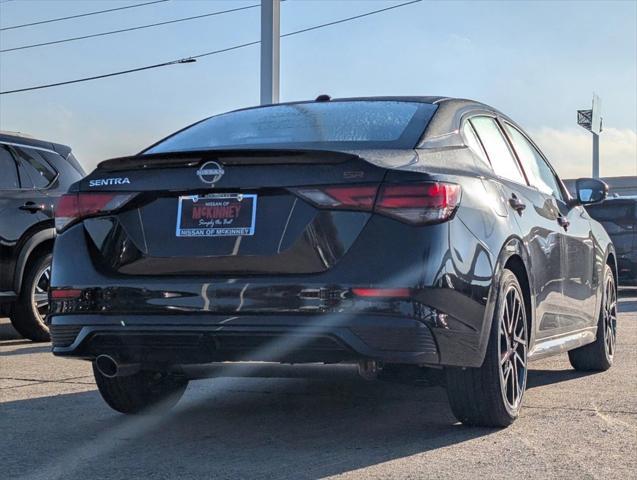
[189, 339]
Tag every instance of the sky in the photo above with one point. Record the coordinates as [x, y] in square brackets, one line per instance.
[537, 61]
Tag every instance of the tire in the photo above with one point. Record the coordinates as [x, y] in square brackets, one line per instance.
[141, 392]
[598, 356]
[491, 396]
[27, 318]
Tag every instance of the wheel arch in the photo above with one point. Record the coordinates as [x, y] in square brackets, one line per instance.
[611, 261]
[37, 243]
[519, 269]
[514, 256]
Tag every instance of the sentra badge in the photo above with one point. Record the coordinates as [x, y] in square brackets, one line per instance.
[105, 182]
[210, 172]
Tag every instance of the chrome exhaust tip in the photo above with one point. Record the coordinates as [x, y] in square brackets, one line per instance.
[109, 367]
[106, 365]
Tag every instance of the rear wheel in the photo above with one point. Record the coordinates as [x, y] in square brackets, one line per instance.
[33, 304]
[491, 395]
[140, 392]
[598, 356]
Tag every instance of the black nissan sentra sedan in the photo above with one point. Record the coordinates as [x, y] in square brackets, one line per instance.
[388, 232]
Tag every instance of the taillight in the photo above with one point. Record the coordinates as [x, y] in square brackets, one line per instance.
[350, 197]
[414, 203]
[419, 203]
[73, 207]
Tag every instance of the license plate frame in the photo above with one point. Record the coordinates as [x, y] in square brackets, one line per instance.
[218, 215]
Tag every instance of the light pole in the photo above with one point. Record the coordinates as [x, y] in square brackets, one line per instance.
[270, 40]
[591, 120]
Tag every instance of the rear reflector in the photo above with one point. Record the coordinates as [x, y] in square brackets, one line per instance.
[64, 293]
[414, 203]
[381, 292]
[73, 207]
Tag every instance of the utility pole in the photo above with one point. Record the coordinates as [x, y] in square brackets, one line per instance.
[591, 120]
[270, 48]
[595, 155]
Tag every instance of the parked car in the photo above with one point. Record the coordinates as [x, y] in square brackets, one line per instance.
[33, 175]
[619, 217]
[389, 231]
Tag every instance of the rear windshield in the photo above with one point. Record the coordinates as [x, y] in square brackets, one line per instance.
[319, 125]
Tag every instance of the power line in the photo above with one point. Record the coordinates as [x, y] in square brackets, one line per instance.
[59, 19]
[194, 58]
[139, 27]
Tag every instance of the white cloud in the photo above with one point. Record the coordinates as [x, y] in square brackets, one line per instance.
[570, 151]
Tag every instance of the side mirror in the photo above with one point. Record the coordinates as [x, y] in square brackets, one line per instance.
[590, 190]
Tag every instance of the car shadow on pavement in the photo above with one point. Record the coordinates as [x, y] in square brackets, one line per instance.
[540, 378]
[265, 428]
[7, 332]
[251, 428]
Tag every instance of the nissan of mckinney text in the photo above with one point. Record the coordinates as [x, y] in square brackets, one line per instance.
[389, 232]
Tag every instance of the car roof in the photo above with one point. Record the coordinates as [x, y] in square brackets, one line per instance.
[431, 99]
[16, 139]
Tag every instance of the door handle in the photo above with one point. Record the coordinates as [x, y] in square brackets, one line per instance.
[31, 207]
[517, 204]
[563, 221]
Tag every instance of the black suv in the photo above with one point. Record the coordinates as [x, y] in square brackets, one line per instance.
[33, 175]
[619, 218]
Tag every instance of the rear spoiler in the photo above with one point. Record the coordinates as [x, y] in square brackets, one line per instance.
[380, 157]
[227, 157]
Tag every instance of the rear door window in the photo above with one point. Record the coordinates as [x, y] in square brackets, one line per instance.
[540, 175]
[8, 172]
[68, 172]
[34, 167]
[474, 143]
[502, 160]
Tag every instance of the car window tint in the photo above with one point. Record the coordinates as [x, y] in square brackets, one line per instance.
[68, 172]
[36, 167]
[473, 143]
[9, 174]
[540, 174]
[497, 149]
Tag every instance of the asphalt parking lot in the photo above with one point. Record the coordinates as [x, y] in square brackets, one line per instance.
[53, 424]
